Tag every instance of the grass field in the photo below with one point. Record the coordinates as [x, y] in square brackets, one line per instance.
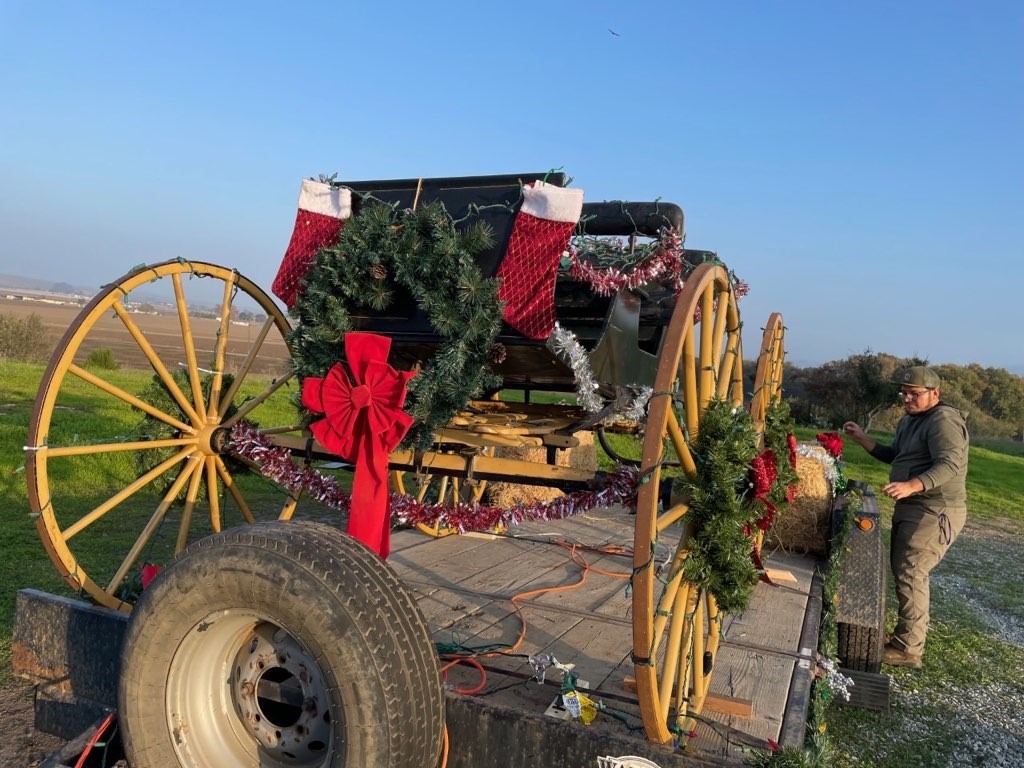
[963, 708]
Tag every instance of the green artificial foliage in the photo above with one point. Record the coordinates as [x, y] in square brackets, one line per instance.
[386, 257]
[778, 426]
[720, 506]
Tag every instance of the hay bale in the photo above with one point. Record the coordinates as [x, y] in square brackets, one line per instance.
[506, 495]
[804, 525]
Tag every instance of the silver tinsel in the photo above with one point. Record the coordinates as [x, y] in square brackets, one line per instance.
[827, 461]
[564, 344]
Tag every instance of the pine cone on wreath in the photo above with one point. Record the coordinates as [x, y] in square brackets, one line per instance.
[498, 354]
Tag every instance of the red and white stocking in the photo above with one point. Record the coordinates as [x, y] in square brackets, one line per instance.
[540, 235]
[323, 210]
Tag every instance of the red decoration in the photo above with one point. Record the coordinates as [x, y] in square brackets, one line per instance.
[323, 211]
[792, 487]
[831, 442]
[364, 422]
[540, 235]
[148, 573]
[763, 472]
[665, 262]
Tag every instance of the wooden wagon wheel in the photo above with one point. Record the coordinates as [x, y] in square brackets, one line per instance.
[768, 378]
[94, 497]
[676, 626]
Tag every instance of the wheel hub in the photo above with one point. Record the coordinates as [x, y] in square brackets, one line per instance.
[218, 438]
[279, 696]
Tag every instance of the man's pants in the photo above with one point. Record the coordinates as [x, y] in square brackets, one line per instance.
[920, 539]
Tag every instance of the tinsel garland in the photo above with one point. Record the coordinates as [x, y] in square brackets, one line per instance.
[764, 472]
[721, 506]
[663, 259]
[385, 256]
[599, 262]
[564, 344]
[275, 463]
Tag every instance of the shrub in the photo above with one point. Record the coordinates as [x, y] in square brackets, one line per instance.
[24, 338]
[102, 358]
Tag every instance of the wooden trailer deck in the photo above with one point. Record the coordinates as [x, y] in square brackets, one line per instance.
[467, 588]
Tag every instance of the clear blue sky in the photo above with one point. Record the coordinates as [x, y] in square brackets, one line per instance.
[859, 164]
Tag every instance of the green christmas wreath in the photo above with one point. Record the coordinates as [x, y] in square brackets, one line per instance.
[720, 506]
[385, 253]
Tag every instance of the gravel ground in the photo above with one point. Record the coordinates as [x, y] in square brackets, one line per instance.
[951, 725]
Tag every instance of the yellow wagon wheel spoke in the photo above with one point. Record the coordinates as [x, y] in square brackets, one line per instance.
[768, 376]
[675, 624]
[126, 465]
[768, 381]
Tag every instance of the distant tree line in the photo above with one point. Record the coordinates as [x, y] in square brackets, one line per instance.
[863, 388]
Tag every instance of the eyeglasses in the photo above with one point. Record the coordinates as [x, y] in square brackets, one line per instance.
[912, 395]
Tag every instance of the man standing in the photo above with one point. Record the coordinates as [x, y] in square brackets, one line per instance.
[928, 481]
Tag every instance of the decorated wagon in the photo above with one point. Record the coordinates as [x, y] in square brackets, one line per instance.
[433, 320]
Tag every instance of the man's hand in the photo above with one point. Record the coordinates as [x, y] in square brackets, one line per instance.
[852, 428]
[854, 432]
[902, 489]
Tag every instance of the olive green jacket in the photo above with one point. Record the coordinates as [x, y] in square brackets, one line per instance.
[931, 447]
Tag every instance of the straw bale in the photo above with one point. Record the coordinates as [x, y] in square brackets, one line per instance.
[506, 495]
[804, 525]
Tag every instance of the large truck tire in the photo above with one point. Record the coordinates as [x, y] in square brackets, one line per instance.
[860, 647]
[279, 644]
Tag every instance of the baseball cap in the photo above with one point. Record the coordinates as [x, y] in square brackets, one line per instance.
[919, 376]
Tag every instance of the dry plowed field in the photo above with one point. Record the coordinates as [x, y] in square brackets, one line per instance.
[162, 332]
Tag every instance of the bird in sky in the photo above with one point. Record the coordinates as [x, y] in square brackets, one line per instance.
[614, 32]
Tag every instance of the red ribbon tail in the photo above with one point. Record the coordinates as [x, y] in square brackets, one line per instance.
[369, 519]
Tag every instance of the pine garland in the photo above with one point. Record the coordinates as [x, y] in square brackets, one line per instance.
[778, 430]
[722, 508]
[383, 256]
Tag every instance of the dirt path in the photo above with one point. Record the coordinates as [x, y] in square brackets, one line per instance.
[22, 746]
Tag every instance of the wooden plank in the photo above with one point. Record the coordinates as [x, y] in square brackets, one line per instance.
[780, 576]
[774, 618]
[763, 679]
[728, 705]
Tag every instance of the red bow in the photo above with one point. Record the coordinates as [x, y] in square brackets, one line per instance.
[363, 423]
[832, 443]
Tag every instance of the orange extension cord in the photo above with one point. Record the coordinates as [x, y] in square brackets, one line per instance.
[577, 558]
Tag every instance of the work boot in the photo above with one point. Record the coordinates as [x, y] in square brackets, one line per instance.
[900, 658]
